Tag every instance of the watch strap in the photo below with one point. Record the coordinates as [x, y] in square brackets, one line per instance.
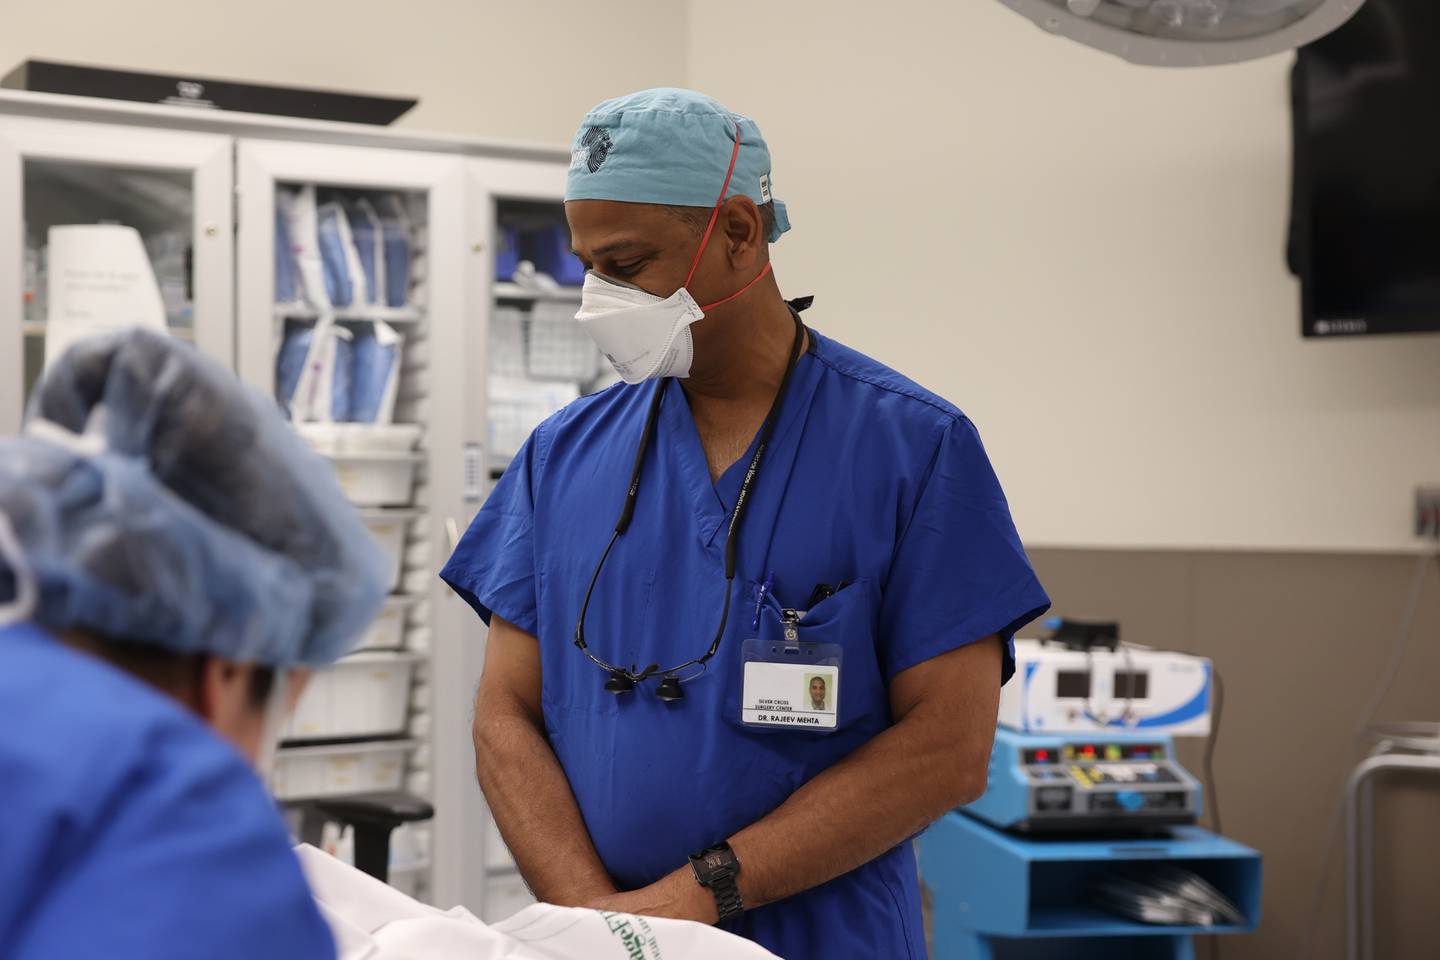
[727, 897]
[719, 878]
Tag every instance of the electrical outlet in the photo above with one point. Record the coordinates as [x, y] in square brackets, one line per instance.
[1427, 512]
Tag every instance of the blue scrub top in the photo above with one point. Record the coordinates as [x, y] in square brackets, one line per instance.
[870, 479]
[128, 829]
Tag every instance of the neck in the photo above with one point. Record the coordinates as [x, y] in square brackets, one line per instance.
[746, 363]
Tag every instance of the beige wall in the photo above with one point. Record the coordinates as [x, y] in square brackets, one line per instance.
[1087, 257]
[511, 69]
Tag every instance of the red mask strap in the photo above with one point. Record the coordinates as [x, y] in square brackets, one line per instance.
[714, 214]
[758, 277]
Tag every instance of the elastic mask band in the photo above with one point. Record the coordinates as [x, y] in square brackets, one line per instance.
[715, 213]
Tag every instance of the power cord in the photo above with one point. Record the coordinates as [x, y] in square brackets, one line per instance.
[1382, 690]
[1412, 604]
[1217, 712]
[1212, 792]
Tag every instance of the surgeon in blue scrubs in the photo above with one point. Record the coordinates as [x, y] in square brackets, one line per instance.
[667, 565]
[173, 561]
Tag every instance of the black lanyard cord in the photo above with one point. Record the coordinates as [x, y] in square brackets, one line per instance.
[631, 493]
[767, 432]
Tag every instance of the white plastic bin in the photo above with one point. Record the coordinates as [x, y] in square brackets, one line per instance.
[303, 773]
[362, 695]
[377, 480]
[360, 439]
[387, 632]
[391, 529]
[517, 407]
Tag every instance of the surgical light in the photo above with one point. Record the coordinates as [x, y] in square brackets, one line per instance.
[1188, 33]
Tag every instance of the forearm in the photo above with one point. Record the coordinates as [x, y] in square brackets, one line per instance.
[536, 811]
[883, 793]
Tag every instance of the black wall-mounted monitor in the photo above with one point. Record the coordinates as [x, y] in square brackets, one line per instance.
[1365, 217]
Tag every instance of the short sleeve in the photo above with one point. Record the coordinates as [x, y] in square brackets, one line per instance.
[493, 566]
[960, 572]
[184, 856]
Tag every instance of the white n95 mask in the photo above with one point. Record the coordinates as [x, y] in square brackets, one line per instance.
[643, 336]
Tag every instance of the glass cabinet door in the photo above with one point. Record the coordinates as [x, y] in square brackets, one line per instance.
[162, 202]
[351, 283]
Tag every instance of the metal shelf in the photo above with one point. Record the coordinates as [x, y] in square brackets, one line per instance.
[505, 290]
[36, 328]
[303, 311]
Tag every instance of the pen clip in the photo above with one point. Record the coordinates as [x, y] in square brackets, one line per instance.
[765, 587]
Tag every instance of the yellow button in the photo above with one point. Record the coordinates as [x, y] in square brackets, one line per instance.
[1112, 751]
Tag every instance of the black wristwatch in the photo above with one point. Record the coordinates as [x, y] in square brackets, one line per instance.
[716, 869]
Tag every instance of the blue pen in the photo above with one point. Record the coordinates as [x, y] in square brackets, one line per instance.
[760, 597]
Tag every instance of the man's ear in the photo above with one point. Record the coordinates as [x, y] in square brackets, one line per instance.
[224, 701]
[744, 231]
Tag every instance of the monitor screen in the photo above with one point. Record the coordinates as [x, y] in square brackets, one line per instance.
[1365, 231]
[1072, 684]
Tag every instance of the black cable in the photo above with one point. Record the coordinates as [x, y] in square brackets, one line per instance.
[1397, 656]
[1212, 792]
[1382, 689]
[1217, 711]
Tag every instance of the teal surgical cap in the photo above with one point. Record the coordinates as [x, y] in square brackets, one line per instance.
[671, 147]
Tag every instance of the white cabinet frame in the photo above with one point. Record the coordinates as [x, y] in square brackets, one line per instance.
[206, 156]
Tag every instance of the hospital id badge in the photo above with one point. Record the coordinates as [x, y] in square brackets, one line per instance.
[790, 683]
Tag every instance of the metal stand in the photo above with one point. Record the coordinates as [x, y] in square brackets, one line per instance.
[1413, 747]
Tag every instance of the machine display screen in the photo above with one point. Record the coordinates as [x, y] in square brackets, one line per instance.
[1072, 684]
[1132, 684]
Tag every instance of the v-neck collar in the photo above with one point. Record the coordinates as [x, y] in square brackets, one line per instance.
[712, 499]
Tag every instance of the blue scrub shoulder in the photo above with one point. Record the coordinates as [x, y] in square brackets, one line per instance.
[589, 418]
[124, 809]
[930, 406]
[915, 410]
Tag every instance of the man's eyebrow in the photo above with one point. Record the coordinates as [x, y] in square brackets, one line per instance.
[609, 248]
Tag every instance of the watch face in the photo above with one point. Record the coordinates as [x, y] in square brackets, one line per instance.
[712, 864]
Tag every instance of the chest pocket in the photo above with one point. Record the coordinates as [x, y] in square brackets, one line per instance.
[849, 619]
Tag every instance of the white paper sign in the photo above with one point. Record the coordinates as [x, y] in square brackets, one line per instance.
[797, 695]
[100, 281]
